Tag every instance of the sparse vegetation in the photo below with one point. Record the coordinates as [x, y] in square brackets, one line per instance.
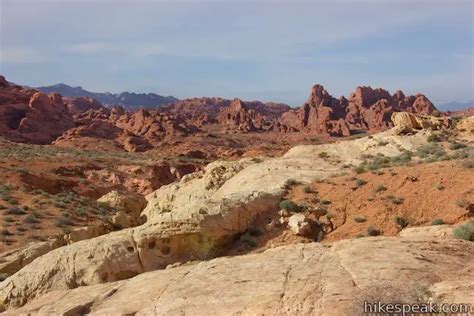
[395, 199]
[465, 231]
[307, 189]
[325, 202]
[359, 219]
[323, 155]
[14, 210]
[468, 164]
[371, 231]
[401, 221]
[290, 206]
[380, 188]
[30, 219]
[360, 182]
[437, 222]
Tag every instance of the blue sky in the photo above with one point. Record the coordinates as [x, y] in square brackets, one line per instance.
[266, 50]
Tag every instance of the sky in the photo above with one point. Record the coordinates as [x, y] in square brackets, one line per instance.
[255, 50]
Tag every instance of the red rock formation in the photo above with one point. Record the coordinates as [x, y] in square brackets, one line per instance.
[367, 109]
[81, 105]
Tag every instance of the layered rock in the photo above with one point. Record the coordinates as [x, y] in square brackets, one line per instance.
[300, 279]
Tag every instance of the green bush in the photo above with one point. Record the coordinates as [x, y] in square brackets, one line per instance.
[14, 211]
[456, 146]
[325, 202]
[468, 164]
[465, 231]
[400, 221]
[360, 182]
[437, 222]
[395, 199]
[371, 231]
[289, 206]
[359, 219]
[307, 189]
[31, 220]
[380, 188]
[323, 155]
[359, 169]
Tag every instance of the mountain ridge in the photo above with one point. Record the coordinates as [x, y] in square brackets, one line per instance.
[129, 100]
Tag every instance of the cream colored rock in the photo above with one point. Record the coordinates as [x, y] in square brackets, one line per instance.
[299, 225]
[405, 122]
[14, 260]
[83, 233]
[128, 206]
[465, 128]
[436, 231]
[194, 219]
[304, 279]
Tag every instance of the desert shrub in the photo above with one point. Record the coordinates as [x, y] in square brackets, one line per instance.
[430, 151]
[371, 231]
[256, 160]
[80, 211]
[63, 222]
[307, 189]
[8, 219]
[456, 146]
[323, 155]
[403, 158]
[359, 169]
[465, 231]
[30, 219]
[400, 221]
[3, 276]
[360, 182]
[468, 164]
[325, 202]
[329, 215]
[289, 183]
[395, 199]
[21, 229]
[437, 222]
[289, 206]
[434, 138]
[380, 188]
[5, 232]
[359, 219]
[14, 211]
[248, 240]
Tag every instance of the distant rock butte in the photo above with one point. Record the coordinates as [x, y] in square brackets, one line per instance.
[31, 116]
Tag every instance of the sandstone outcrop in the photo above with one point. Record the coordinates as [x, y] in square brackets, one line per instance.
[303, 279]
[12, 261]
[406, 122]
[128, 207]
[194, 218]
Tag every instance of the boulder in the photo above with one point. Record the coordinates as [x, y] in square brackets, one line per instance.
[299, 225]
[128, 206]
[83, 233]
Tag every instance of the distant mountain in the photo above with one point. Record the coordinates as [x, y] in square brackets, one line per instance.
[456, 106]
[129, 100]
